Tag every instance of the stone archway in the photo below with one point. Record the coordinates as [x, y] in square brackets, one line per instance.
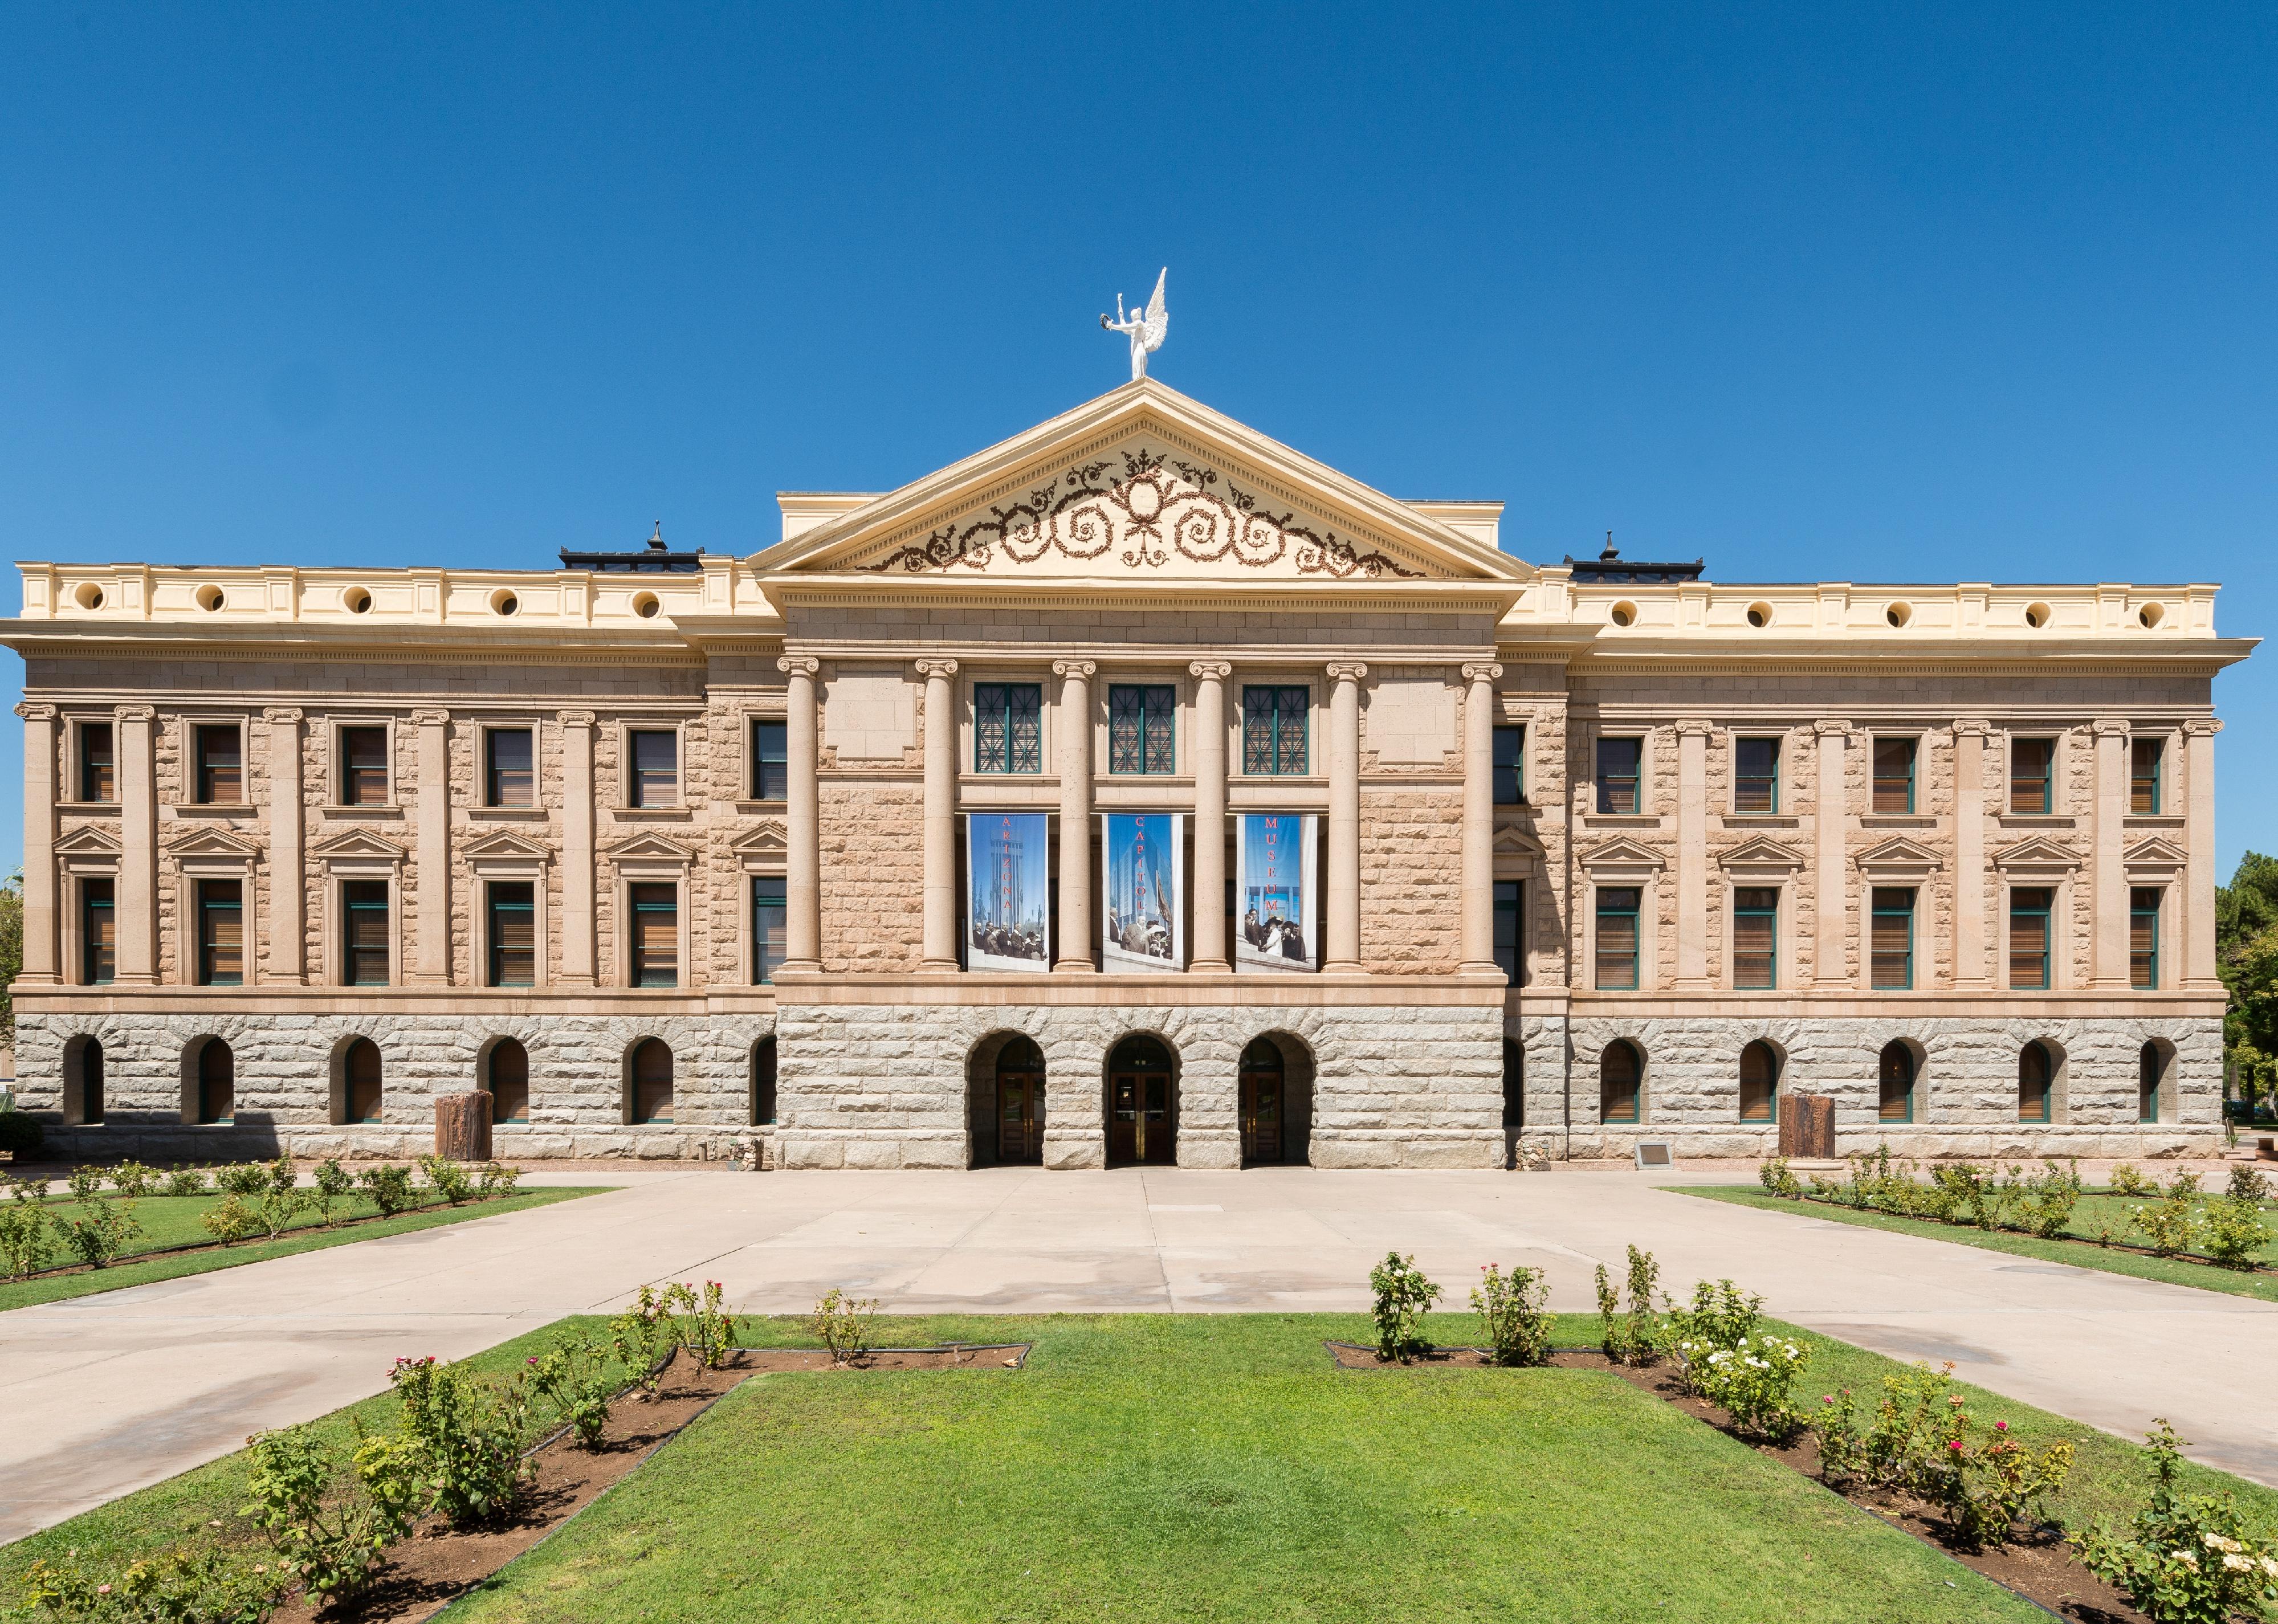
[1275, 1101]
[1142, 1102]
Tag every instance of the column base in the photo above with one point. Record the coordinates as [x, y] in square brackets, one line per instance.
[1075, 967]
[1209, 966]
[1341, 966]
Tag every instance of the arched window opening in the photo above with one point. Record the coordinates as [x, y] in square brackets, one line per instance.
[216, 1099]
[1514, 1084]
[506, 1075]
[763, 1083]
[1898, 1083]
[2035, 1072]
[83, 1082]
[360, 1070]
[1620, 1070]
[652, 1081]
[1759, 1070]
[2149, 1065]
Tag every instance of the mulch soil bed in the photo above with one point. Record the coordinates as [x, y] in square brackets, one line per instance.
[295, 1232]
[2037, 1564]
[2200, 1258]
[436, 1564]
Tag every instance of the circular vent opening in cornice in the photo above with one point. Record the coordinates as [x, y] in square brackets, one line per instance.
[503, 602]
[1760, 614]
[2149, 615]
[210, 598]
[1898, 613]
[2036, 615]
[1624, 613]
[89, 595]
[646, 606]
[356, 600]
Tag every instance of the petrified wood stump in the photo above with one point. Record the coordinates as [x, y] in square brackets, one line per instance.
[1806, 1127]
[462, 1126]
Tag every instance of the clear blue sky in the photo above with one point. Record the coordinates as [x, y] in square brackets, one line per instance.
[1865, 292]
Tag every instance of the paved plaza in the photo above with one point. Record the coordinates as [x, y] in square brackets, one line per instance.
[108, 1393]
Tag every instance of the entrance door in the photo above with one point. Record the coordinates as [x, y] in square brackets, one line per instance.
[1020, 1103]
[1261, 1102]
[1142, 1104]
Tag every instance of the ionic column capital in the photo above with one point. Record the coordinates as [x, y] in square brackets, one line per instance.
[1973, 730]
[32, 712]
[936, 667]
[577, 719]
[1829, 727]
[800, 665]
[135, 712]
[2109, 727]
[1347, 670]
[1210, 670]
[431, 718]
[281, 713]
[2203, 727]
[1695, 728]
[1085, 669]
[1482, 672]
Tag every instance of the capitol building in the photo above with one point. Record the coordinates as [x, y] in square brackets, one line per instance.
[1136, 790]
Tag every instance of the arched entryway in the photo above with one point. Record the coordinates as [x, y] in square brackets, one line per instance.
[1142, 1104]
[83, 1082]
[1275, 1101]
[1019, 1115]
[361, 1080]
[506, 1074]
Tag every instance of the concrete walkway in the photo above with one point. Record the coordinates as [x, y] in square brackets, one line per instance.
[109, 1393]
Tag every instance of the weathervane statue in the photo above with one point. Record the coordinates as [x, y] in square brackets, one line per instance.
[1144, 329]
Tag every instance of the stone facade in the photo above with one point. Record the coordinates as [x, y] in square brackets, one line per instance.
[1464, 996]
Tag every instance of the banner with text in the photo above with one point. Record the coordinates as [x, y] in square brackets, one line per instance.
[1275, 910]
[1008, 892]
[1142, 912]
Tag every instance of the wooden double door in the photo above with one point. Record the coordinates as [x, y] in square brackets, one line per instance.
[1263, 1104]
[1021, 1104]
[1143, 1105]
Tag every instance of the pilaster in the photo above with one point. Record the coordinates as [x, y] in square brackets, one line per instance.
[1832, 910]
[1208, 748]
[941, 714]
[802, 822]
[287, 883]
[40, 962]
[576, 848]
[1074, 724]
[1343, 952]
[1693, 853]
[1479, 817]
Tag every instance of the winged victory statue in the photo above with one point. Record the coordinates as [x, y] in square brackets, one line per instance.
[1145, 329]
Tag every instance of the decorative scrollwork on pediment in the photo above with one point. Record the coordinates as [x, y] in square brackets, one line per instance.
[1154, 508]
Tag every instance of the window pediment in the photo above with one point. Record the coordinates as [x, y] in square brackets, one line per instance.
[1622, 859]
[766, 838]
[504, 845]
[2154, 859]
[357, 845]
[1759, 858]
[2038, 855]
[91, 840]
[649, 848]
[1898, 859]
[214, 845]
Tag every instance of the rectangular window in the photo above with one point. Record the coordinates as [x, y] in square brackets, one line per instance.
[364, 933]
[363, 766]
[1274, 731]
[1139, 728]
[1617, 939]
[1756, 938]
[1891, 939]
[1509, 765]
[1619, 763]
[513, 933]
[770, 926]
[2145, 758]
[771, 761]
[2029, 940]
[98, 768]
[221, 932]
[1756, 775]
[220, 765]
[1894, 775]
[1008, 729]
[653, 758]
[2144, 936]
[509, 767]
[1509, 903]
[655, 934]
[2032, 776]
[98, 933]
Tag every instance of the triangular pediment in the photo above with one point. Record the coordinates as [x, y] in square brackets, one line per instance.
[89, 840]
[766, 838]
[358, 843]
[214, 843]
[505, 843]
[1142, 484]
[2037, 852]
[1762, 854]
[649, 848]
[2157, 850]
[1899, 857]
[1511, 841]
[1622, 853]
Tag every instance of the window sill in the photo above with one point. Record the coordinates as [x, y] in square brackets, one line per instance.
[1621, 820]
[762, 809]
[334, 814]
[2147, 820]
[213, 809]
[509, 814]
[2033, 821]
[1897, 821]
[1762, 820]
[110, 809]
[653, 814]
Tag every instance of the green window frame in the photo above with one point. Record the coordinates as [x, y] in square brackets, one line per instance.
[1892, 947]
[770, 760]
[1008, 729]
[98, 932]
[1510, 909]
[1143, 727]
[1276, 723]
[513, 933]
[1756, 775]
[2029, 909]
[363, 767]
[1511, 765]
[220, 750]
[364, 933]
[770, 927]
[2149, 1063]
[221, 932]
[1756, 938]
[98, 762]
[2036, 1083]
[509, 767]
[2032, 777]
[652, 761]
[655, 941]
[1896, 1087]
[1621, 1082]
[1616, 955]
[2143, 937]
[1894, 776]
[1621, 766]
[2146, 758]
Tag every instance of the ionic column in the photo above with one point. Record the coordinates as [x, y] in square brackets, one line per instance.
[1833, 912]
[1479, 817]
[1693, 853]
[1075, 813]
[1969, 968]
[138, 848]
[803, 820]
[40, 950]
[1343, 949]
[287, 884]
[576, 848]
[1208, 746]
[2109, 919]
[431, 963]
[940, 814]
[2198, 871]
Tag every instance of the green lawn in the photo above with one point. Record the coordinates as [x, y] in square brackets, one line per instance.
[2081, 1254]
[1157, 1467]
[173, 1220]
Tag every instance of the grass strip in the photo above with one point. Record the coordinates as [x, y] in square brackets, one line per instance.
[144, 1269]
[2080, 1254]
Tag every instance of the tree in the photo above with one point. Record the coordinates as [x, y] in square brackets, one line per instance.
[2247, 956]
[11, 954]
